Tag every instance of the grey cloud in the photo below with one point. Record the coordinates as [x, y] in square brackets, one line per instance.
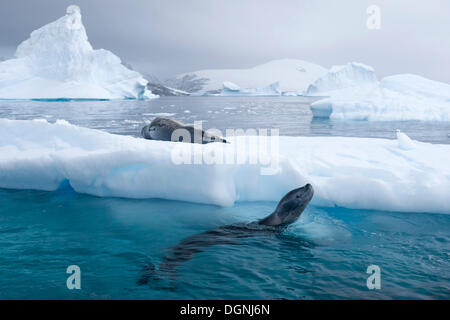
[169, 37]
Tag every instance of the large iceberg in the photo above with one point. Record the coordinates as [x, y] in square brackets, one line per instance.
[352, 75]
[231, 89]
[58, 62]
[353, 93]
[364, 173]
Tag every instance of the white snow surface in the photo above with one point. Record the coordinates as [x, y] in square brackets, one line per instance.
[360, 173]
[292, 74]
[356, 95]
[58, 62]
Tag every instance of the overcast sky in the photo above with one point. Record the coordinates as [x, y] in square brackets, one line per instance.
[175, 36]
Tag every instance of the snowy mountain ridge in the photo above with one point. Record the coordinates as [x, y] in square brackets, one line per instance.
[292, 74]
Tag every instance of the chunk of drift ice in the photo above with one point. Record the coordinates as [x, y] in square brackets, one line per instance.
[354, 94]
[358, 173]
[230, 86]
[231, 89]
[58, 62]
[404, 142]
[292, 94]
[322, 108]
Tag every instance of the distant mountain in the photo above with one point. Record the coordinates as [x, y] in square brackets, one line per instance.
[162, 90]
[189, 82]
[293, 76]
[156, 86]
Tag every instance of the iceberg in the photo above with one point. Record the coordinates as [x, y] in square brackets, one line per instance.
[58, 62]
[292, 94]
[231, 89]
[230, 86]
[359, 173]
[352, 92]
[352, 75]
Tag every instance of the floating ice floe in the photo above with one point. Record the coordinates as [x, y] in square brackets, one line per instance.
[360, 173]
[58, 62]
[292, 94]
[232, 89]
[352, 92]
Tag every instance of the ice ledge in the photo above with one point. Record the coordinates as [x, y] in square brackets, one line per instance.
[358, 173]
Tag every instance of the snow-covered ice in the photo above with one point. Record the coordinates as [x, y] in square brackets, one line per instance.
[58, 62]
[383, 174]
[352, 75]
[353, 93]
[230, 86]
[292, 94]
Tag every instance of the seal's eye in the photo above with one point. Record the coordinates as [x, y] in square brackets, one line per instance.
[213, 138]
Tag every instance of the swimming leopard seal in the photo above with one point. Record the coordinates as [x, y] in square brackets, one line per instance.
[287, 212]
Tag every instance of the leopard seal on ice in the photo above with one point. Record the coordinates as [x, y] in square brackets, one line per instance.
[167, 129]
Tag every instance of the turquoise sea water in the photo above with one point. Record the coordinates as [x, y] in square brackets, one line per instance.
[324, 255]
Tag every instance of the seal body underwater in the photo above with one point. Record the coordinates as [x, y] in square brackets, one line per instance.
[287, 212]
[167, 129]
